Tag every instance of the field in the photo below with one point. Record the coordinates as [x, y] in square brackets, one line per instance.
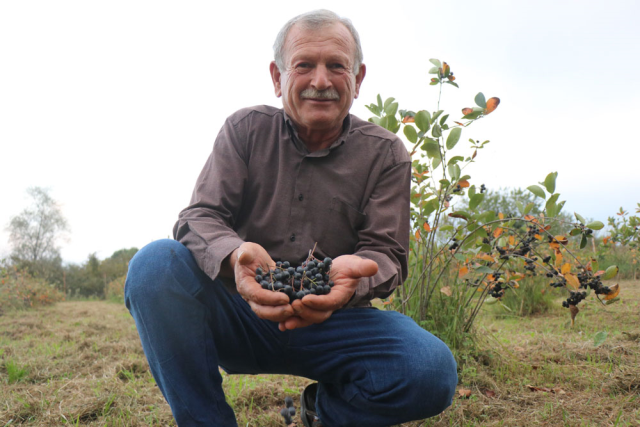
[81, 363]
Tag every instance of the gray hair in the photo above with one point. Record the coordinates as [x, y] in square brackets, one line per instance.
[313, 20]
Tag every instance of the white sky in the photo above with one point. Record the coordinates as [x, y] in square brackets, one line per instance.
[115, 105]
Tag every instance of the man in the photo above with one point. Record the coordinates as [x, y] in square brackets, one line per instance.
[278, 183]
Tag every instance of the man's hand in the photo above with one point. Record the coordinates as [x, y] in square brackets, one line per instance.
[266, 304]
[346, 271]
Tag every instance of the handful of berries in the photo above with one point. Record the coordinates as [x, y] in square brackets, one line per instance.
[312, 277]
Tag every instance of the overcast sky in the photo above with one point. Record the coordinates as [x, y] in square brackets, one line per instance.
[115, 105]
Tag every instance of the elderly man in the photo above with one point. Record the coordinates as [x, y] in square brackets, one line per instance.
[278, 183]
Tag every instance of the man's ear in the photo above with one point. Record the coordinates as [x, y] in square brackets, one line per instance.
[360, 78]
[275, 77]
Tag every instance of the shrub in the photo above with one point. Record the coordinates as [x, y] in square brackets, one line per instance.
[19, 290]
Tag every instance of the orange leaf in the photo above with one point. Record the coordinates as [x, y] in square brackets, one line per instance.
[500, 215]
[497, 232]
[492, 104]
[426, 227]
[599, 273]
[445, 68]
[408, 119]
[574, 312]
[486, 257]
[466, 111]
[451, 77]
[458, 123]
[475, 153]
[566, 268]
[446, 290]
[614, 291]
[572, 280]
[417, 234]
[537, 236]
[558, 260]
[463, 183]
[512, 240]
[463, 271]
[605, 240]
[464, 393]
[562, 239]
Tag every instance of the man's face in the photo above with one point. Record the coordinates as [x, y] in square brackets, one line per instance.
[318, 84]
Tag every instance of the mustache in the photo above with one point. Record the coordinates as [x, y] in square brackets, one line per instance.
[320, 94]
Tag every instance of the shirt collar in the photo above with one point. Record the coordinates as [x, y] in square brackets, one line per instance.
[346, 128]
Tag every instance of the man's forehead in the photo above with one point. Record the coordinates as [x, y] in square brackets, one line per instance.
[300, 36]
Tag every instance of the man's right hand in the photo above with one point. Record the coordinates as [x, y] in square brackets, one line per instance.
[266, 304]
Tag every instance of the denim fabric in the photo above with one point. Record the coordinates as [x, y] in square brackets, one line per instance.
[374, 368]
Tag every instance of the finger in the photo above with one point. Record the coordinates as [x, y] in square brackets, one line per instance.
[324, 303]
[294, 323]
[305, 312]
[364, 268]
[264, 296]
[274, 313]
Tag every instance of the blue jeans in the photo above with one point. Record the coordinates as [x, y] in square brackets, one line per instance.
[374, 367]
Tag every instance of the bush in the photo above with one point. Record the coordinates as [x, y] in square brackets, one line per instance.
[19, 290]
[533, 296]
[115, 289]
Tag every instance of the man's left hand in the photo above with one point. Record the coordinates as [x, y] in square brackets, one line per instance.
[346, 272]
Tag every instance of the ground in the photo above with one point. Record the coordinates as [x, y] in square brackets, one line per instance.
[82, 363]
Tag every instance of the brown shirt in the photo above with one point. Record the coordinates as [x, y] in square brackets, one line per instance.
[261, 184]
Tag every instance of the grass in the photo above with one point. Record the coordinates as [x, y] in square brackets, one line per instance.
[81, 363]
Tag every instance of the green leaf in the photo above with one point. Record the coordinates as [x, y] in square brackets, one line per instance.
[436, 131]
[434, 70]
[475, 200]
[436, 162]
[611, 301]
[520, 207]
[435, 62]
[444, 183]
[472, 116]
[460, 214]
[575, 232]
[443, 119]
[471, 191]
[380, 102]
[411, 134]
[436, 115]
[456, 159]
[579, 218]
[453, 138]
[460, 257]
[583, 241]
[429, 207]
[484, 269]
[432, 148]
[550, 182]
[447, 227]
[551, 207]
[391, 109]
[599, 339]
[374, 109]
[388, 101]
[452, 83]
[537, 190]
[528, 208]
[595, 266]
[454, 171]
[375, 120]
[595, 225]
[611, 272]
[480, 101]
[423, 120]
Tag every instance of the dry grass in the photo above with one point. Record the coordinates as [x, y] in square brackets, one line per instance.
[81, 363]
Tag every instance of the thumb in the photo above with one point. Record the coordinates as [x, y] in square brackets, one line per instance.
[245, 257]
[364, 268]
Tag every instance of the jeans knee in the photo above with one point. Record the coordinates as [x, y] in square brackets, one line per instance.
[436, 384]
[150, 267]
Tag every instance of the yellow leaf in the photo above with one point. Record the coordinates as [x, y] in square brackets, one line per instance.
[614, 291]
[566, 268]
[500, 215]
[572, 280]
[486, 257]
[446, 290]
[497, 232]
[558, 260]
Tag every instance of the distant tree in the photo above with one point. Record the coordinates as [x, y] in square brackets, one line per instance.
[33, 234]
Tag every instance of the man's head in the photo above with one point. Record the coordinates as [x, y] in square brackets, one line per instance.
[317, 70]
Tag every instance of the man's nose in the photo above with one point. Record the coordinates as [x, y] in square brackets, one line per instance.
[321, 80]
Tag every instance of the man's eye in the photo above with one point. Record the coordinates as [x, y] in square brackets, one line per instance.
[303, 65]
[337, 67]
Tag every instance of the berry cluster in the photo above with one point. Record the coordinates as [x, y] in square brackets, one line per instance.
[574, 299]
[312, 277]
[288, 411]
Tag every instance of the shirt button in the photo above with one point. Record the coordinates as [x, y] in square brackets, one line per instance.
[300, 197]
[292, 238]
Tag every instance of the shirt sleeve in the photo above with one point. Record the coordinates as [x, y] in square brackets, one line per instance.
[384, 237]
[205, 227]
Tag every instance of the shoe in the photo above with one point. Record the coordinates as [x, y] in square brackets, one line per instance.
[308, 406]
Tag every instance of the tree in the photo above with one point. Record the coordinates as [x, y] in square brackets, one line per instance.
[33, 234]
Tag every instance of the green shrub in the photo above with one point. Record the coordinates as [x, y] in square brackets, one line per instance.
[19, 290]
